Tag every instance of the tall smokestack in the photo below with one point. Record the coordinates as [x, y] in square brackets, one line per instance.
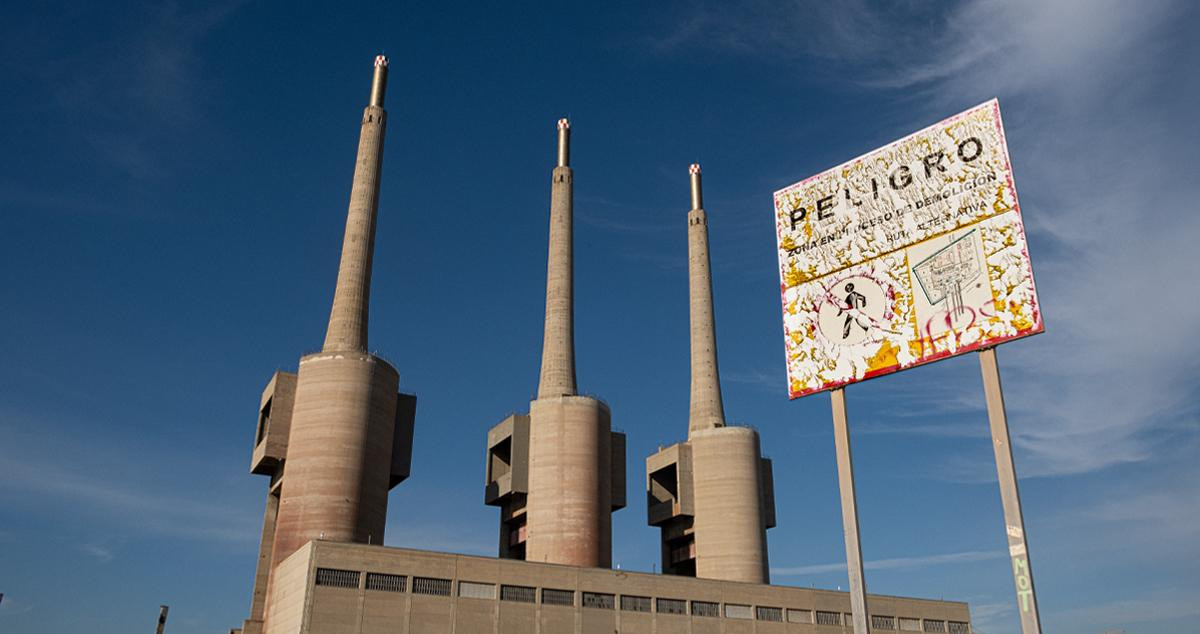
[558, 473]
[713, 494]
[335, 436]
[558, 343]
[348, 318]
[343, 420]
[707, 410]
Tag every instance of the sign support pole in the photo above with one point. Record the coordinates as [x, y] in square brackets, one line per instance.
[854, 562]
[1014, 524]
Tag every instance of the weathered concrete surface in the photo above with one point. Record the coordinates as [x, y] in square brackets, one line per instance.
[339, 453]
[569, 506]
[307, 607]
[706, 409]
[349, 315]
[731, 541]
[558, 344]
[335, 437]
[566, 515]
[725, 482]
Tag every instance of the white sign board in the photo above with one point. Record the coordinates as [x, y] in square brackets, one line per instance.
[908, 254]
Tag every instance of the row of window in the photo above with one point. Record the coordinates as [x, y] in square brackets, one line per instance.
[550, 596]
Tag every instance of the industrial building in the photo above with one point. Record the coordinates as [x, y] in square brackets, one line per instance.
[558, 472]
[336, 436]
[712, 495]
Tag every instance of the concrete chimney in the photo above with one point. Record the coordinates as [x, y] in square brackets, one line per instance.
[711, 495]
[707, 410]
[558, 343]
[348, 318]
[558, 473]
[336, 436]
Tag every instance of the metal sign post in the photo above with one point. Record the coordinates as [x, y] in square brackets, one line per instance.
[854, 562]
[1014, 524]
[162, 618]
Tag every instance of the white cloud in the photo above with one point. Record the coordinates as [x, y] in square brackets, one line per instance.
[100, 552]
[1137, 611]
[986, 616]
[15, 605]
[56, 468]
[124, 98]
[441, 538]
[129, 505]
[897, 563]
[1095, 125]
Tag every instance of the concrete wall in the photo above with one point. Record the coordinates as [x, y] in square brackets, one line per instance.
[287, 604]
[731, 540]
[370, 611]
[569, 506]
[274, 423]
[339, 452]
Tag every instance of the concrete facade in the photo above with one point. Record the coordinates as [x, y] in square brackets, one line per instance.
[564, 515]
[712, 495]
[336, 436]
[339, 454]
[335, 588]
[730, 521]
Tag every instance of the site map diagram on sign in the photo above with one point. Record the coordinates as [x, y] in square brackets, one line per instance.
[908, 254]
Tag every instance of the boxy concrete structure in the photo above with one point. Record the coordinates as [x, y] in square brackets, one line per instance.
[332, 588]
[336, 436]
[557, 473]
[712, 495]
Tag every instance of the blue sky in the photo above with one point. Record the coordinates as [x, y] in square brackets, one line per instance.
[173, 193]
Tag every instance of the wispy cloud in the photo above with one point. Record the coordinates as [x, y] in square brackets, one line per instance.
[1094, 129]
[85, 476]
[135, 508]
[101, 553]
[897, 563]
[442, 538]
[122, 99]
[620, 217]
[986, 616]
[1139, 611]
[773, 381]
[15, 605]
[936, 431]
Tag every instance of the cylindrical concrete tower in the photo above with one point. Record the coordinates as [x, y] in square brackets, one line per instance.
[731, 539]
[729, 521]
[339, 451]
[707, 410]
[569, 504]
[558, 343]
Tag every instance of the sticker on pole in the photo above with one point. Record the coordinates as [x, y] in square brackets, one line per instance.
[908, 254]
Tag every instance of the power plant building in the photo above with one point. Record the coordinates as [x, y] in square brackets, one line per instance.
[336, 436]
[712, 495]
[558, 472]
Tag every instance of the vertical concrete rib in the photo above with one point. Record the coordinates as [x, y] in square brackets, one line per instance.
[707, 410]
[348, 318]
[558, 344]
